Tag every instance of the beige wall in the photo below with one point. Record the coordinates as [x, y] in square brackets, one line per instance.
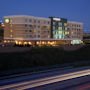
[27, 28]
[20, 26]
[75, 30]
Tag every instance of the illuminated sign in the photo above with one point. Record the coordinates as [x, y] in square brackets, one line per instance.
[7, 20]
[56, 19]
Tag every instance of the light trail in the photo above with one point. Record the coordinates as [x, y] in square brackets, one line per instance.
[44, 81]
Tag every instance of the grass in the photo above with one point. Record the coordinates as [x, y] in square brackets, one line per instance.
[42, 56]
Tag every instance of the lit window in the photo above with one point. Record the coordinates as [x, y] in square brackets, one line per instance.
[65, 24]
[11, 36]
[11, 30]
[34, 30]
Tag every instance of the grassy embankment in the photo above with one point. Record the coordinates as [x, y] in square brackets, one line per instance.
[42, 56]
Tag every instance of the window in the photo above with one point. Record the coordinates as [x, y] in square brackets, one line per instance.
[34, 21]
[44, 31]
[38, 36]
[38, 26]
[38, 21]
[44, 22]
[30, 20]
[30, 30]
[25, 25]
[25, 20]
[30, 36]
[48, 22]
[26, 36]
[25, 30]
[34, 26]
[30, 26]
[48, 31]
[34, 36]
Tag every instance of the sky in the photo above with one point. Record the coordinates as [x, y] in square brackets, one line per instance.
[73, 10]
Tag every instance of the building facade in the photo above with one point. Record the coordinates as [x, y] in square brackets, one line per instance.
[23, 29]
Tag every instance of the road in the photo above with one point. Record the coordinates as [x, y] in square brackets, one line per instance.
[65, 78]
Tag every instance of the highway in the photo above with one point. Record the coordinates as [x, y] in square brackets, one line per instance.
[33, 81]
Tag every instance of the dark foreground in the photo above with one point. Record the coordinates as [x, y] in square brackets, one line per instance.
[42, 56]
[65, 79]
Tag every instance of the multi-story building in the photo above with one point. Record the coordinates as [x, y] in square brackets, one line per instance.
[24, 29]
[75, 30]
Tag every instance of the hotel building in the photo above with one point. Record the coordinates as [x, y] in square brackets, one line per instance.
[23, 29]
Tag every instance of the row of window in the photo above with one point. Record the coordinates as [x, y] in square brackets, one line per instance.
[37, 21]
[74, 29]
[45, 31]
[74, 25]
[35, 26]
[36, 36]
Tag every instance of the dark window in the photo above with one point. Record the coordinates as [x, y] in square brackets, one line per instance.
[25, 25]
[38, 21]
[30, 36]
[25, 20]
[38, 36]
[25, 30]
[30, 30]
[44, 22]
[34, 26]
[48, 22]
[34, 36]
[34, 21]
[30, 20]
[30, 25]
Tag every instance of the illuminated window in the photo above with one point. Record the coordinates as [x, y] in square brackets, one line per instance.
[65, 24]
[48, 27]
[11, 30]
[11, 36]
[34, 30]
